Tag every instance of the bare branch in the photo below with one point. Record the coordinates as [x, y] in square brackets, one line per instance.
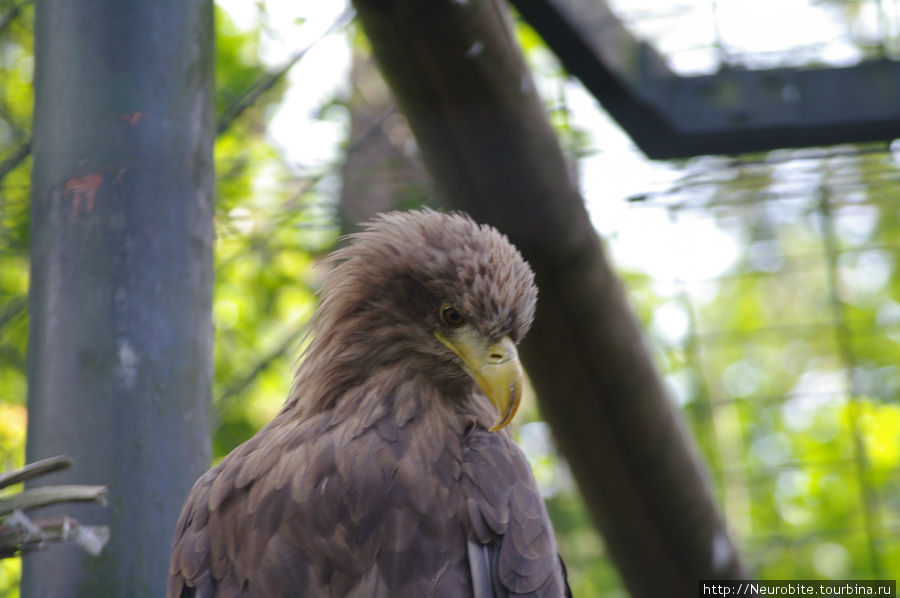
[12, 309]
[269, 80]
[33, 470]
[48, 495]
[10, 163]
[287, 342]
[20, 534]
[11, 15]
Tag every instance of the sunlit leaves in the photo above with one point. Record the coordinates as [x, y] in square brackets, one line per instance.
[16, 68]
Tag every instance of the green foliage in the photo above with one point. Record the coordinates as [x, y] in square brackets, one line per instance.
[237, 62]
[15, 166]
[792, 383]
[16, 65]
[271, 223]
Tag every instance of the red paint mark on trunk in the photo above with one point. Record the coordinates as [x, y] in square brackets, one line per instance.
[133, 118]
[83, 188]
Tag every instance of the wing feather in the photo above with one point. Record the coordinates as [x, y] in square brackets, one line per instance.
[381, 511]
[372, 512]
[506, 515]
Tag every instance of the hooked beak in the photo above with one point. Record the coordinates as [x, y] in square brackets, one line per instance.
[495, 367]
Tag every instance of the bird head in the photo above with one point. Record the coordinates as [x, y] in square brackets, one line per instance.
[435, 295]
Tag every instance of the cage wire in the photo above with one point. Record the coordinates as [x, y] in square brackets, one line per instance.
[786, 364]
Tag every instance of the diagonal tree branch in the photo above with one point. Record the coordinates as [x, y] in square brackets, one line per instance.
[12, 309]
[14, 160]
[12, 14]
[236, 388]
[268, 81]
[460, 77]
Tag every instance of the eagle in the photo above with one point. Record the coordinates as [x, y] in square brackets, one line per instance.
[389, 471]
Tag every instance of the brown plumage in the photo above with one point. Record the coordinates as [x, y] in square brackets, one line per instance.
[380, 477]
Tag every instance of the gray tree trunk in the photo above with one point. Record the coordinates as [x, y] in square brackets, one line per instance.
[461, 80]
[120, 339]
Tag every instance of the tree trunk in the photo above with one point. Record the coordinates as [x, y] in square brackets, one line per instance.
[459, 76]
[381, 170]
[120, 339]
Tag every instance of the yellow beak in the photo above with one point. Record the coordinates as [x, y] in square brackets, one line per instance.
[495, 367]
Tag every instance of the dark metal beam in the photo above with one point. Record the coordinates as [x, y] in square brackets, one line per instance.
[732, 111]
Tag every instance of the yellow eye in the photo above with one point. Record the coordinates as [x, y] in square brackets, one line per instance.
[451, 316]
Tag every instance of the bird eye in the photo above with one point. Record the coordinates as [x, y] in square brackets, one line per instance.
[451, 316]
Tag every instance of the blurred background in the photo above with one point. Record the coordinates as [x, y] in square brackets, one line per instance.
[768, 283]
